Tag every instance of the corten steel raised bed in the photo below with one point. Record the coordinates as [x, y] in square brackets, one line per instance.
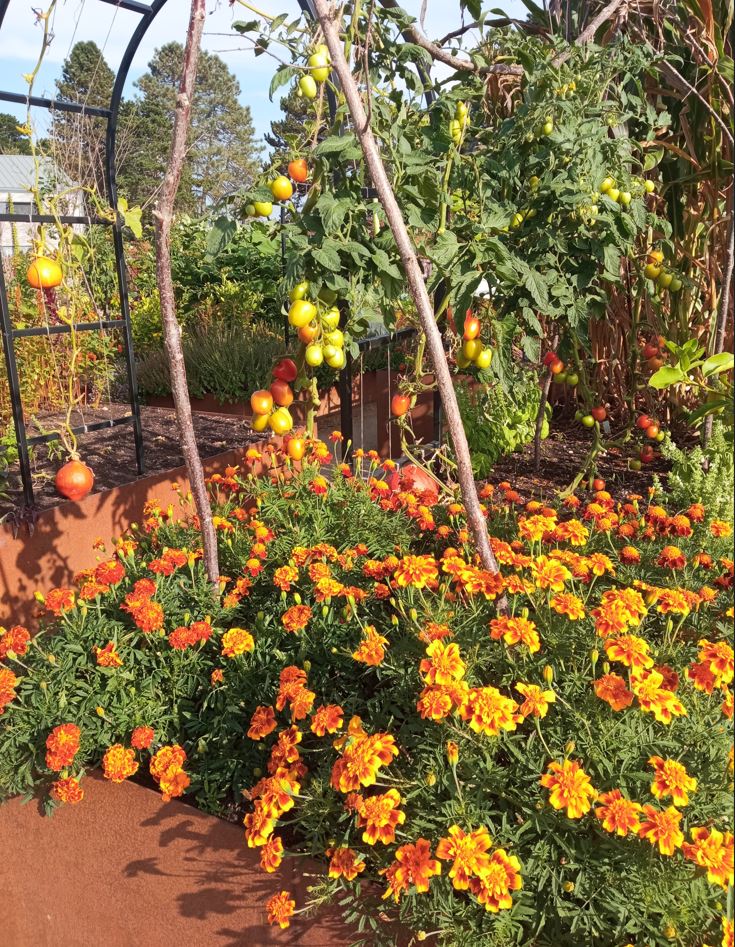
[124, 869]
[62, 539]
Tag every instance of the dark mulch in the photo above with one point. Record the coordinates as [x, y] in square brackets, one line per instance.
[111, 453]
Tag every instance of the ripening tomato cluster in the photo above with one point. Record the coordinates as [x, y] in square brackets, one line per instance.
[270, 406]
[654, 352]
[318, 64]
[595, 415]
[559, 370]
[473, 351]
[459, 123]
[281, 189]
[317, 325]
[655, 271]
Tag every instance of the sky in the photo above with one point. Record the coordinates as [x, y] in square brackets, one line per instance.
[110, 28]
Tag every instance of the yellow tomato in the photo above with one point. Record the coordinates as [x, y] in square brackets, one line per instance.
[281, 188]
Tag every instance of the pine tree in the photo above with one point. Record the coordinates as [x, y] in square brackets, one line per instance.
[286, 131]
[12, 142]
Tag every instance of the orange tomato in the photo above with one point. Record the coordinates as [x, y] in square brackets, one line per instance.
[308, 332]
[598, 484]
[298, 170]
[643, 422]
[44, 273]
[471, 327]
[296, 447]
[556, 367]
[261, 402]
[399, 405]
[652, 431]
[281, 392]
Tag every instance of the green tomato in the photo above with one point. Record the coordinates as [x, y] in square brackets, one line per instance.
[533, 181]
[676, 285]
[607, 184]
[461, 110]
[263, 208]
[250, 210]
[319, 67]
[649, 187]
[330, 319]
[588, 420]
[484, 359]
[314, 355]
[560, 378]
[299, 291]
[307, 87]
[572, 379]
[665, 279]
[613, 193]
[545, 429]
[625, 198]
[548, 126]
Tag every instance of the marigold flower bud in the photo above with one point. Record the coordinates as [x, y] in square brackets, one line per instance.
[257, 772]
[297, 598]
[524, 613]
[594, 656]
[307, 665]
[394, 619]
[570, 747]
[605, 667]
[548, 673]
[51, 658]
[421, 935]
[39, 597]
[325, 611]
[100, 711]
[452, 753]
[413, 614]
[431, 779]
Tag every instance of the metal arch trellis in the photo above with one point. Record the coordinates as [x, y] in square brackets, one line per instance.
[147, 13]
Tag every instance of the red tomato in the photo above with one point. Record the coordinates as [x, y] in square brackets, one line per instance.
[285, 370]
[647, 453]
[652, 431]
[471, 327]
[415, 479]
[598, 484]
[298, 170]
[261, 402]
[281, 392]
[557, 366]
[400, 405]
[650, 350]
[74, 480]
[549, 358]
[643, 422]
[599, 414]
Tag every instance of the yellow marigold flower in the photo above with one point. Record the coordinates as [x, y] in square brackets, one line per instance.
[488, 711]
[534, 528]
[371, 649]
[548, 573]
[271, 854]
[434, 703]
[719, 528]
[655, 699]
[516, 631]
[618, 814]
[713, 850]
[468, 853]
[718, 658]
[237, 641]
[566, 604]
[493, 887]
[661, 827]
[671, 779]
[536, 701]
[629, 650]
[570, 787]
[443, 663]
[379, 815]
[573, 532]
[119, 763]
[280, 908]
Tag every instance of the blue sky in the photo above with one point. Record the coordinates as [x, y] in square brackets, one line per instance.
[109, 27]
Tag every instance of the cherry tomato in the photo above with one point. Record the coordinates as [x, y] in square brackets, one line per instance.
[598, 484]
[299, 291]
[588, 420]
[643, 422]
[652, 431]
[261, 401]
[307, 87]
[599, 414]
[263, 208]
[314, 356]
[647, 454]
[298, 170]
[285, 370]
[650, 350]
[319, 64]
[471, 349]
[296, 447]
[549, 358]
[471, 327]
[484, 359]
[655, 256]
[400, 405]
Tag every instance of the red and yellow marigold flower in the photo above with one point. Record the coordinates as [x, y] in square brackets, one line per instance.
[58, 601]
[488, 711]
[119, 763]
[271, 854]
[548, 573]
[110, 572]
[712, 850]
[515, 631]
[468, 853]
[671, 557]
[167, 768]
[67, 791]
[416, 571]
[654, 698]
[717, 657]
[443, 664]
[536, 700]
[236, 641]
[720, 528]
[327, 719]
[567, 604]
[629, 650]
[671, 779]
[62, 745]
[296, 618]
[434, 703]
[618, 814]
[345, 863]
[108, 656]
[629, 555]
[413, 865]
[612, 689]
[661, 828]
[280, 908]
[142, 737]
[8, 683]
[361, 759]
[494, 886]
[262, 723]
[371, 650]
[534, 528]
[284, 577]
[14, 642]
[570, 786]
[379, 816]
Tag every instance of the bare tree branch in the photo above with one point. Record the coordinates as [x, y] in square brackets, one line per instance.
[588, 33]
[326, 15]
[163, 220]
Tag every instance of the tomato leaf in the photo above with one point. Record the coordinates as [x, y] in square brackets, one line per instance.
[666, 376]
[723, 362]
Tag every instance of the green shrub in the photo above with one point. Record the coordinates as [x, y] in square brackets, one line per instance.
[701, 475]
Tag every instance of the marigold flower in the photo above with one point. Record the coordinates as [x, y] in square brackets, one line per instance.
[661, 827]
[672, 601]
[656, 699]
[371, 650]
[728, 933]
[720, 529]
[67, 791]
[216, 677]
[262, 723]
[548, 573]
[142, 737]
[148, 616]
[327, 719]
[671, 779]
[612, 689]
[629, 650]
[566, 604]
[379, 815]
[416, 571]
[536, 701]
[280, 908]
[58, 601]
[284, 577]
[167, 768]
[629, 555]
[534, 528]
[493, 887]
[570, 787]
[360, 761]
[434, 703]
[62, 745]
[14, 642]
[516, 631]
[110, 572]
[452, 753]
[671, 557]
[433, 631]
[443, 663]
[713, 850]
[618, 814]
[345, 863]
[413, 865]
[236, 641]
[488, 711]
[108, 656]
[718, 658]
[468, 853]
[8, 683]
[119, 763]
[271, 854]
[296, 618]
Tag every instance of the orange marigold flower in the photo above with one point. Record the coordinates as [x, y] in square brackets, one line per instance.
[67, 791]
[536, 701]
[434, 703]
[361, 760]
[262, 723]
[661, 827]
[443, 663]
[296, 618]
[379, 815]
[216, 677]
[108, 656]
[345, 863]
[612, 689]
[728, 933]
[327, 719]
[468, 853]
[488, 711]
[515, 631]
[148, 616]
[166, 767]
[696, 513]
[671, 557]
[549, 573]
[672, 601]
[413, 865]
[719, 528]
[119, 763]
[284, 577]
[433, 631]
[280, 908]
[142, 737]
[618, 814]
[62, 745]
[493, 887]
[727, 705]
[534, 528]
[236, 641]
[566, 604]
[573, 532]
[718, 658]
[371, 649]
[271, 854]
[14, 642]
[671, 779]
[629, 650]
[417, 571]
[629, 555]
[713, 850]
[58, 601]
[570, 787]
[110, 572]
[654, 698]
[8, 683]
